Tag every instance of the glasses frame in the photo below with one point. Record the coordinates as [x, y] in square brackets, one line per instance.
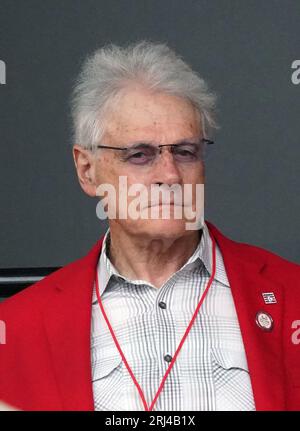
[203, 140]
[206, 141]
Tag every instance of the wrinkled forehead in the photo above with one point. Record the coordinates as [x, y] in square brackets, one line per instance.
[144, 115]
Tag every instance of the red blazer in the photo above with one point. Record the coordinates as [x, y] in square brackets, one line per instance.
[46, 365]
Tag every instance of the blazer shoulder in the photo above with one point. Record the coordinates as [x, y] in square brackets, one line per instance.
[272, 264]
[271, 257]
[275, 266]
[36, 295]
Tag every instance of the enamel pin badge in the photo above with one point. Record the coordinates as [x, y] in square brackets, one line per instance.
[269, 298]
[264, 321]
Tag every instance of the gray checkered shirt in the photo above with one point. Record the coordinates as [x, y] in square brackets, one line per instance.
[211, 371]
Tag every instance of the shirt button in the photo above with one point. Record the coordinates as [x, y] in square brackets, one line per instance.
[162, 304]
[168, 358]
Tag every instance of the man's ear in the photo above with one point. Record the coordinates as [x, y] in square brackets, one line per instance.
[85, 167]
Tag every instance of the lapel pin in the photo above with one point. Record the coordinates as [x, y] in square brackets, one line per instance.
[264, 321]
[269, 298]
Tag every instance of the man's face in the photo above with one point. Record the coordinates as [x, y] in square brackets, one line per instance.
[157, 118]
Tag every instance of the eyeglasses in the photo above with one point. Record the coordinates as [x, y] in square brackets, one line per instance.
[143, 154]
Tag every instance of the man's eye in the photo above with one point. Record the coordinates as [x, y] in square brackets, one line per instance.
[138, 157]
[185, 152]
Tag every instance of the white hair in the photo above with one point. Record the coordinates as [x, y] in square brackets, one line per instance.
[111, 69]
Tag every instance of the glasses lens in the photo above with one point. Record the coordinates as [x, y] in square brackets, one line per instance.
[189, 152]
[143, 154]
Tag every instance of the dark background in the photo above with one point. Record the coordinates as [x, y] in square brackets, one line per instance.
[244, 49]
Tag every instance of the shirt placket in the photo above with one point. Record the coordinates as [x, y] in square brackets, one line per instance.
[169, 398]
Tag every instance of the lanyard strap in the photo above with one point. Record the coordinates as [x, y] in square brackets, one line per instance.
[180, 344]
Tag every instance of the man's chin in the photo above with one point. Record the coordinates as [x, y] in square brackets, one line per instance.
[161, 228]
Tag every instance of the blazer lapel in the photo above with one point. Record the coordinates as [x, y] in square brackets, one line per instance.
[67, 322]
[247, 276]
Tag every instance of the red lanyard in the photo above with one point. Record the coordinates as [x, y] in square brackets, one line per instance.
[180, 344]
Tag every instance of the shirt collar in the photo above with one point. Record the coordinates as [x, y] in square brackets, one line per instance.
[203, 253]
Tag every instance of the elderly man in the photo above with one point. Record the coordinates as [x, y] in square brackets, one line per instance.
[156, 316]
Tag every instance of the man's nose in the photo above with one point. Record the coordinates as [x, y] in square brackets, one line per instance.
[166, 169]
